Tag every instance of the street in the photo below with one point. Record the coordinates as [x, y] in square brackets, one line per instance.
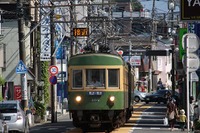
[146, 118]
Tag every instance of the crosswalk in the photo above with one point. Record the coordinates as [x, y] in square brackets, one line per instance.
[149, 117]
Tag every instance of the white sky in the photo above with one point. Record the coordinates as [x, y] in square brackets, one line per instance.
[161, 5]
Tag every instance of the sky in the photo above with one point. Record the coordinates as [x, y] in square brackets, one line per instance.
[160, 5]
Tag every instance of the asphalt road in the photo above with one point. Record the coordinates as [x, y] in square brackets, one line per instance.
[147, 118]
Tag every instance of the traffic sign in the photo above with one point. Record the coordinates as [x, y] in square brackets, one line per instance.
[194, 76]
[193, 62]
[21, 68]
[191, 41]
[53, 70]
[53, 80]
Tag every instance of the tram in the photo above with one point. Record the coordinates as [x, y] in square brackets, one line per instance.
[99, 90]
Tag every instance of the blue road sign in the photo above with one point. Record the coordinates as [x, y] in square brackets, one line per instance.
[53, 80]
[21, 68]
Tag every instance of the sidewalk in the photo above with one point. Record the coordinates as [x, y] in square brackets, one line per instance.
[60, 117]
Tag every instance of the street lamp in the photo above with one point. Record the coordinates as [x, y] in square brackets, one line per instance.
[172, 70]
[171, 7]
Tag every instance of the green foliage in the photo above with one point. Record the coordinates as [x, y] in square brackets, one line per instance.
[40, 109]
[197, 125]
[1, 97]
[2, 81]
[45, 78]
[136, 5]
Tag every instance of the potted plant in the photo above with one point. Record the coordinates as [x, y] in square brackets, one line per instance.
[197, 126]
[39, 112]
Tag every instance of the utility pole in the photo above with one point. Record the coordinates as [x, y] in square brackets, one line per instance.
[22, 51]
[152, 40]
[35, 51]
[71, 28]
[171, 7]
[53, 62]
[173, 48]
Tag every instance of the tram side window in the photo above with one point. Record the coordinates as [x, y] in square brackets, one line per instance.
[95, 77]
[113, 78]
[77, 78]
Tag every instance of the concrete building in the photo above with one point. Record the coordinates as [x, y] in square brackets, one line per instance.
[10, 49]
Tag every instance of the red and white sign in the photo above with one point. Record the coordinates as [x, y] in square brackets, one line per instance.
[17, 92]
[53, 70]
[135, 60]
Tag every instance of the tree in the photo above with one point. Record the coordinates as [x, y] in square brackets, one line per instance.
[2, 82]
[136, 5]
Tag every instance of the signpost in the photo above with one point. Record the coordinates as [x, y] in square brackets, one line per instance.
[22, 69]
[190, 43]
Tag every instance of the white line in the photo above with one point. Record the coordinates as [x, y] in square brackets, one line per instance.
[136, 128]
[155, 128]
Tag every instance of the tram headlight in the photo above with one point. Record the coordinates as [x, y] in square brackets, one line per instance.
[112, 98]
[78, 99]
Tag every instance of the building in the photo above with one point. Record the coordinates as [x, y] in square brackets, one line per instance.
[10, 49]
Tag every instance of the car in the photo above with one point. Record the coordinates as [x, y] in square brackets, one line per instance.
[138, 96]
[160, 96]
[13, 116]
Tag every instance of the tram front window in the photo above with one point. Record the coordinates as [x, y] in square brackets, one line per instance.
[95, 77]
[77, 78]
[113, 78]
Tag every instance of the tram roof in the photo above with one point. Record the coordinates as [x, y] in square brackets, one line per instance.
[96, 59]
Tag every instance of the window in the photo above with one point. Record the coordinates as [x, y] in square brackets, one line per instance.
[8, 108]
[95, 77]
[77, 78]
[113, 78]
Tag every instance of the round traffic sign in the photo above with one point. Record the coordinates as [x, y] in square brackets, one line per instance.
[53, 80]
[53, 70]
[193, 62]
[191, 41]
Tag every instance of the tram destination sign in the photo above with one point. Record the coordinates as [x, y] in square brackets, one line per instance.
[190, 10]
[81, 32]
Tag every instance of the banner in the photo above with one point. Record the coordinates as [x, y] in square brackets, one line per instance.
[45, 31]
[17, 92]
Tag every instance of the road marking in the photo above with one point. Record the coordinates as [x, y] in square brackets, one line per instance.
[155, 128]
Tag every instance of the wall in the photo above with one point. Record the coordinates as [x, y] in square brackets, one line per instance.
[11, 41]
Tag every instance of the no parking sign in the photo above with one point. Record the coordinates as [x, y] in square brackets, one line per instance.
[53, 80]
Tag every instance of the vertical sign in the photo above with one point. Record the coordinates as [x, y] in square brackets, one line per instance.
[182, 31]
[59, 32]
[17, 92]
[190, 9]
[45, 54]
